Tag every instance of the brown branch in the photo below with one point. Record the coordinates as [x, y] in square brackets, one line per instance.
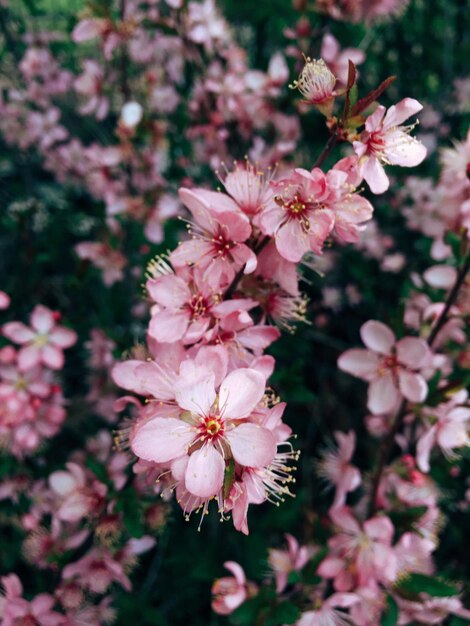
[239, 275]
[330, 144]
[389, 441]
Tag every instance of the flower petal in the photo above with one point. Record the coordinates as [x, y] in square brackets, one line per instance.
[377, 337]
[252, 445]
[205, 472]
[240, 393]
[359, 362]
[162, 439]
[383, 395]
[412, 386]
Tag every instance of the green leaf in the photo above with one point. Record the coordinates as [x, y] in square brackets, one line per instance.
[294, 577]
[247, 613]
[459, 621]
[390, 615]
[418, 583]
[283, 613]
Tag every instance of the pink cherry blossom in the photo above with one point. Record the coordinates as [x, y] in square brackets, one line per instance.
[297, 217]
[283, 562]
[43, 343]
[338, 59]
[216, 427]
[384, 141]
[445, 425]
[216, 247]
[391, 367]
[335, 466]
[367, 548]
[230, 592]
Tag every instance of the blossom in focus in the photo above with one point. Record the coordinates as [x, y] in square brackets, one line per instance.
[391, 367]
[44, 342]
[385, 142]
[215, 428]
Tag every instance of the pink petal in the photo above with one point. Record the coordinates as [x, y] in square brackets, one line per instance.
[237, 571]
[412, 386]
[86, 29]
[28, 357]
[252, 445]
[18, 332]
[412, 351]
[360, 363]
[374, 174]
[162, 439]
[400, 112]
[292, 241]
[199, 396]
[440, 276]
[52, 357]
[168, 326]
[240, 393]
[205, 472]
[62, 482]
[42, 319]
[374, 121]
[379, 529]
[383, 395]
[452, 435]
[377, 337]
[63, 337]
[401, 149]
[242, 255]
[169, 291]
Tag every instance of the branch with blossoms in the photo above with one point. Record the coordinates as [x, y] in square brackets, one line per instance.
[209, 425]
[378, 564]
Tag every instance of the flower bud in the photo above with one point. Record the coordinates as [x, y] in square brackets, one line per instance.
[316, 83]
[131, 114]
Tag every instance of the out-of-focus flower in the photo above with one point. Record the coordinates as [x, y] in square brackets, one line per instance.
[392, 368]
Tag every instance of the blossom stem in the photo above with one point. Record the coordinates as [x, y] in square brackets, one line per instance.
[389, 441]
[330, 144]
[124, 60]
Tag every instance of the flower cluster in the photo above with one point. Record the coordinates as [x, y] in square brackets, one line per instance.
[31, 399]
